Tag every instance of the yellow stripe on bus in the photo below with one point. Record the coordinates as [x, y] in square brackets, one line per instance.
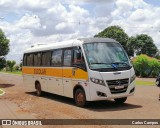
[56, 72]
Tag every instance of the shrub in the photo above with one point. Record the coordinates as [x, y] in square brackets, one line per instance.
[155, 67]
[16, 68]
[146, 66]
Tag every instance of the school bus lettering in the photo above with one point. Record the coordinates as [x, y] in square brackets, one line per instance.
[40, 71]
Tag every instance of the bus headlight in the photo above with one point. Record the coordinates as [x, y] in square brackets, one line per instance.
[132, 78]
[97, 81]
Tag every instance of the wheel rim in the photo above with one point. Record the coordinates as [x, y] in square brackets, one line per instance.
[80, 98]
[38, 90]
[157, 82]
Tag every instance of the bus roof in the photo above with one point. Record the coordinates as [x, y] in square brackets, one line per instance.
[65, 44]
[96, 39]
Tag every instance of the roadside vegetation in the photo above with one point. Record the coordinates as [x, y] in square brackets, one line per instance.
[146, 66]
[14, 72]
[1, 92]
[12, 68]
[143, 82]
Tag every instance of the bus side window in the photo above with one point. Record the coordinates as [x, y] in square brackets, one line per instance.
[30, 60]
[25, 60]
[39, 59]
[43, 59]
[56, 58]
[78, 58]
[46, 57]
[67, 57]
[35, 59]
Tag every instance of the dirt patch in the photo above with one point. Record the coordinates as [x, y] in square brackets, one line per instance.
[23, 110]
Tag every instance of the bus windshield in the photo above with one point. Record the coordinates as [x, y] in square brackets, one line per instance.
[109, 55]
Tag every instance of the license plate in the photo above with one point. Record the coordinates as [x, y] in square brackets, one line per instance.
[119, 87]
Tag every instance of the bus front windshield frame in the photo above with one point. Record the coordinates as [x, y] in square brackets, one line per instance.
[106, 56]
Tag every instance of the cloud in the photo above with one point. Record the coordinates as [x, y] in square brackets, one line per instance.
[103, 10]
[137, 17]
[122, 9]
[141, 15]
[76, 10]
[29, 22]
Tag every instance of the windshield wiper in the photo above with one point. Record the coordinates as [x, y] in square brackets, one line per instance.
[121, 63]
[100, 63]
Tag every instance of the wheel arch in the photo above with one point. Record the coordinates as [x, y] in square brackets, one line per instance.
[78, 86]
[37, 81]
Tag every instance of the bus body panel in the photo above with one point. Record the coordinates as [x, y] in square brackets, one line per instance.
[57, 80]
[28, 81]
[109, 76]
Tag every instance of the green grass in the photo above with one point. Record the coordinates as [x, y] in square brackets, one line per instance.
[140, 82]
[1, 92]
[14, 72]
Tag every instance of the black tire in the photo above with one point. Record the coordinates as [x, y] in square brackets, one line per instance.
[120, 100]
[80, 98]
[157, 82]
[38, 89]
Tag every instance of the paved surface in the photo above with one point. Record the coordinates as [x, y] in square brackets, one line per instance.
[11, 110]
[21, 102]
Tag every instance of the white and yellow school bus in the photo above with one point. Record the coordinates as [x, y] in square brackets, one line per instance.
[86, 69]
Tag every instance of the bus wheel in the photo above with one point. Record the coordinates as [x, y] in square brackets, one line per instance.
[120, 100]
[38, 89]
[80, 98]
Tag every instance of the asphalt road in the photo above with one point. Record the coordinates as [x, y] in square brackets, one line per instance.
[143, 105]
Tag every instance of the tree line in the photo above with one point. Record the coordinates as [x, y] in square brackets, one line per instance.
[139, 44]
[4, 49]
[146, 63]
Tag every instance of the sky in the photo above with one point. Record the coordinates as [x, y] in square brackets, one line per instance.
[28, 22]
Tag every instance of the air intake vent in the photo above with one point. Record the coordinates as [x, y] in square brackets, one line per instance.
[118, 86]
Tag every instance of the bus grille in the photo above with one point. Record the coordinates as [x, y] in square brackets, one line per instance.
[115, 85]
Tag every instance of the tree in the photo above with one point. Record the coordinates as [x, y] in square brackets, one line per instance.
[4, 44]
[4, 48]
[115, 32]
[20, 65]
[130, 47]
[2, 63]
[11, 64]
[143, 44]
[157, 56]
